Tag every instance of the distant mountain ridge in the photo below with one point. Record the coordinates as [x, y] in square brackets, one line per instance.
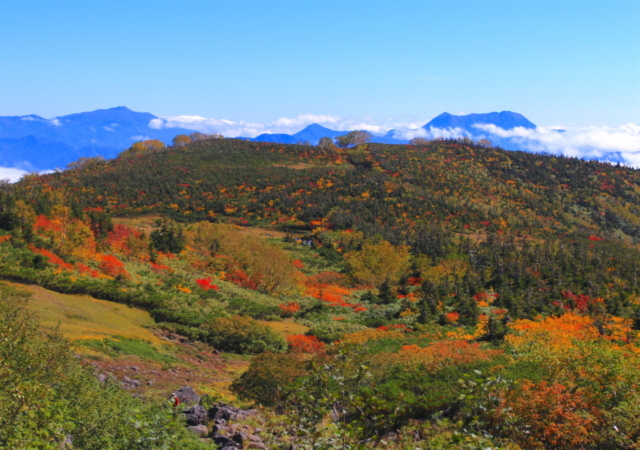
[35, 143]
[312, 134]
[506, 120]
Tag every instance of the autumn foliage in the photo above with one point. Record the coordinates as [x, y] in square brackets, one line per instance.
[113, 267]
[305, 344]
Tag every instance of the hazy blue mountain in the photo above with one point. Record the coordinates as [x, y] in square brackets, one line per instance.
[277, 138]
[314, 132]
[506, 120]
[311, 134]
[32, 142]
[388, 138]
[31, 153]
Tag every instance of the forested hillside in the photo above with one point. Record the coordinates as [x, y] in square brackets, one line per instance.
[450, 293]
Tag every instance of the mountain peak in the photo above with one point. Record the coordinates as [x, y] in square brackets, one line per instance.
[314, 127]
[506, 120]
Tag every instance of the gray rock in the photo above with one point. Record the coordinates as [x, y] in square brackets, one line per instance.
[226, 412]
[199, 430]
[222, 442]
[219, 430]
[254, 438]
[196, 415]
[186, 394]
[259, 445]
[240, 438]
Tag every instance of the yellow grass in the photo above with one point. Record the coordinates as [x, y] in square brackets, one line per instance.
[297, 166]
[143, 223]
[84, 317]
[286, 328]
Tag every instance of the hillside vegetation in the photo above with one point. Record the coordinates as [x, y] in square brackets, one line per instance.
[442, 295]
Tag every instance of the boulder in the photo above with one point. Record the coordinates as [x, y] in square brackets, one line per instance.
[240, 438]
[186, 394]
[259, 445]
[222, 442]
[227, 412]
[199, 430]
[196, 415]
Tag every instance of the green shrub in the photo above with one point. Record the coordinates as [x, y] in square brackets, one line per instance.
[334, 330]
[269, 378]
[250, 308]
[47, 395]
[241, 334]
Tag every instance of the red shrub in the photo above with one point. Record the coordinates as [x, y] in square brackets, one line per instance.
[113, 267]
[305, 344]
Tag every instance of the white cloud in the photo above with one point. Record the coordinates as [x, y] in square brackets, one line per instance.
[620, 143]
[430, 133]
[285, 125]
[140, 138]
[305, 119]
[111, 127]
[11, 173]
[55, 122]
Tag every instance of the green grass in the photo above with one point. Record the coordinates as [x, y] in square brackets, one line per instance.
[121, 346]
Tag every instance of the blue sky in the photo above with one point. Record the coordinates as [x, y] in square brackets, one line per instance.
[574, 62]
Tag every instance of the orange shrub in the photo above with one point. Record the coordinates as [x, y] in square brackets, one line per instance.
[554, 332]
[544, 415]
[305, 344]
[289, 309]
[441, 354]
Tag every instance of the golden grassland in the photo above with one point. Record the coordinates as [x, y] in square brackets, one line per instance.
[286, 328]
[144, 223]
[84, 317]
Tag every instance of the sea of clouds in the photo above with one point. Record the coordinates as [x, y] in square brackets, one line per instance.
[614, 144]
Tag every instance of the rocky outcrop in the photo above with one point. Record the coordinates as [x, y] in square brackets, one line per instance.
[221, 423]
[226, 412]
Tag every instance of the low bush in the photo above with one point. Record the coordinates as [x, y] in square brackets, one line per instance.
[334, 330]
[241, 334]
